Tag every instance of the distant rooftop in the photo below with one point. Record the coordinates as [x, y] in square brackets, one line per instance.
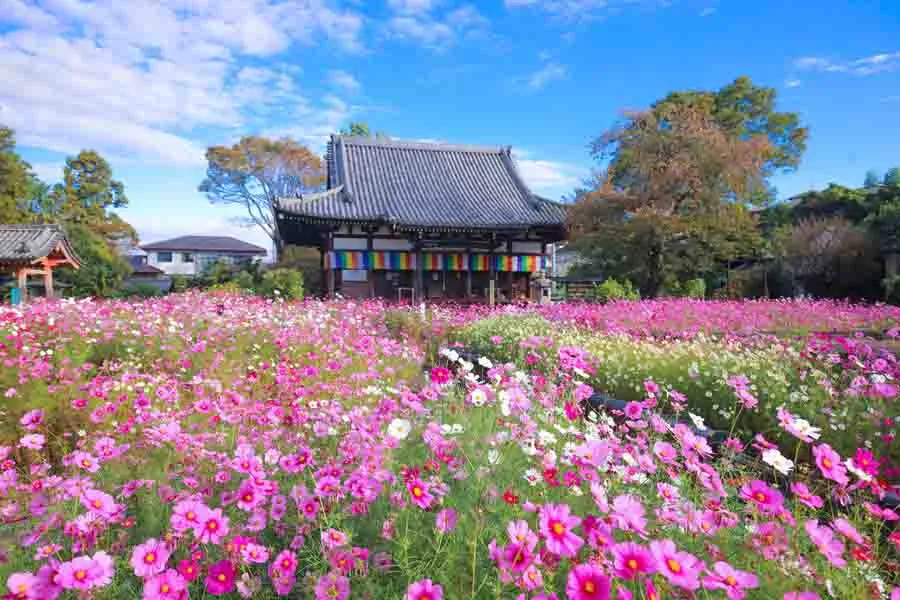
[206, 243]
[22, 244]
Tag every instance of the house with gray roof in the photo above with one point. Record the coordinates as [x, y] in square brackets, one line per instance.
[409, 219]
[191, 255]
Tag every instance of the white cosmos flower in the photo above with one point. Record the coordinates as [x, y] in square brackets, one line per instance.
[860, 474]
[466, 365]
[478, 397]
[697, 421]
[532, 476]
[456, 429]
[485, 362]
[399, 429]
[775, 459]
[493, 456]
[450, 354]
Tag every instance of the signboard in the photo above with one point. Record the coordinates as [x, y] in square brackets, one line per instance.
[580, 290]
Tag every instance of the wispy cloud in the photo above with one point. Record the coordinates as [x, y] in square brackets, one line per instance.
[415, 21]
[549, 178]
[792, 83]
[550, 72]
[344, 81]
[867, 65]
[584, 10]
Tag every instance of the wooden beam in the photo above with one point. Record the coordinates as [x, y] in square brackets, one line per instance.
[329, 273]
[371, 271]
[22, 277]
[48, 279]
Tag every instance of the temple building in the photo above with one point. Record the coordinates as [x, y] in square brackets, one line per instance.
[34, 250]
[415, 221]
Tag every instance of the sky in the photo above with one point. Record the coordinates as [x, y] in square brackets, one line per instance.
[152, 83]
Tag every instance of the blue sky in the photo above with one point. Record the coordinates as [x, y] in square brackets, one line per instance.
[151, 83]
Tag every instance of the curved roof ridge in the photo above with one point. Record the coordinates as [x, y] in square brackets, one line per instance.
[355, 140]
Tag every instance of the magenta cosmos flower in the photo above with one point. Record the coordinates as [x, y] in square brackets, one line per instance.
[424, 589]
[829, 463]
[556, 525]
[332, 586]
[630, 560]
[440, 375]
[421, 497]
[220, 579]
[681, 569]
[587, 582]
[149, 558]
[734, 582]
[168, 585]
[766, 499]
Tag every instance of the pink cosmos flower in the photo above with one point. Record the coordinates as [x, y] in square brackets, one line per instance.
[587, 582]
[725, 577]
[150, 558]
[665, 452]
[830, 465]
[255, 553]
[421, 497]
[823, 537]
[440, 375]
[32, 419]
[766, 499]
[86, 572]
[631, 560]
[628, 513]
[32, 441]
[556, 525]
[213, 527]
[22, 585]
[445, 521]
[424, 589]
[168, 585]
[188, 515]
[85, 461]
[332, 586]
[100, 503]
[47, 585]
[681, 569]
[220, 579]
[333, 538]
[188, 569]
[886, 514]
[806, 497]
[843, 527]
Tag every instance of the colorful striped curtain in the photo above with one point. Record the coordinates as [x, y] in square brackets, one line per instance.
[518, 263]
[433, 261]
[393, 261]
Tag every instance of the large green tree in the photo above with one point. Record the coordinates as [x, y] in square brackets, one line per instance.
[16, 181]
[670, 204]
[255, 173]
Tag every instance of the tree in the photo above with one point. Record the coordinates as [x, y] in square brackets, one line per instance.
[361, 129]
[744, 111]
[16, 180]
[872, 180]
[255, 173]
[892, 177]
[671, 202]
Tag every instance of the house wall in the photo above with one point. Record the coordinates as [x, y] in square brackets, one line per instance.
[191, 264]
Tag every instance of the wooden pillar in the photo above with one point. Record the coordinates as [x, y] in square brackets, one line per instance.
[323, 277]
[492, 272]
[510, 276]
[371, 271]
[420, 265]
[22, 277]
[48, 280]
[329, 273]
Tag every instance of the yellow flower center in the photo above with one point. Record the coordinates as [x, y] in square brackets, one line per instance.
[632, 564]
[826, 462]
[674, 565]
[80, 575]
[221, 577]
[149, 558]
[417, 492]
[558, 528]
[730, 580]
[164, 588]
[589, 587]
[97, 504]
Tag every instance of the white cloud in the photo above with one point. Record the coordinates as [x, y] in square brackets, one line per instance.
[867, 65]
[343, 80]
[792, 83]
[437, 32]
[545, 75]
[412, 6]
[549, 178]
[136, 79]
[584, 10]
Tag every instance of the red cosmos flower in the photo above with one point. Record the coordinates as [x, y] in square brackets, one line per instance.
[510, 498]
[550, 477]
[862, 554]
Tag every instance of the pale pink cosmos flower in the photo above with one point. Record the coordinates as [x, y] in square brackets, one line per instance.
[86, 572]
[333, 538]
[255, 553]
[150, 558]
[628, 513]
[32, 441]
[445, 521]
[843, 527]
[213, 528]
[806, 497]
[32, 419]
[22, 585]
[823, 537]
[168, 585]
[100, 503]
[734, 582]
[188, 515]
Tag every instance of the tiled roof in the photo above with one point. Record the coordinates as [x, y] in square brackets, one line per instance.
[205, 243]
[424, 186]
[22, 244]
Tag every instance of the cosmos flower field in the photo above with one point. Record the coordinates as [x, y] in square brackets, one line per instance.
[199, 446]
